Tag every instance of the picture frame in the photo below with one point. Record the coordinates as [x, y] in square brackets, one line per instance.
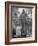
[18, 34]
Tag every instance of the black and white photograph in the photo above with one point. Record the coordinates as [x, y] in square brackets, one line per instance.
[21, 22]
